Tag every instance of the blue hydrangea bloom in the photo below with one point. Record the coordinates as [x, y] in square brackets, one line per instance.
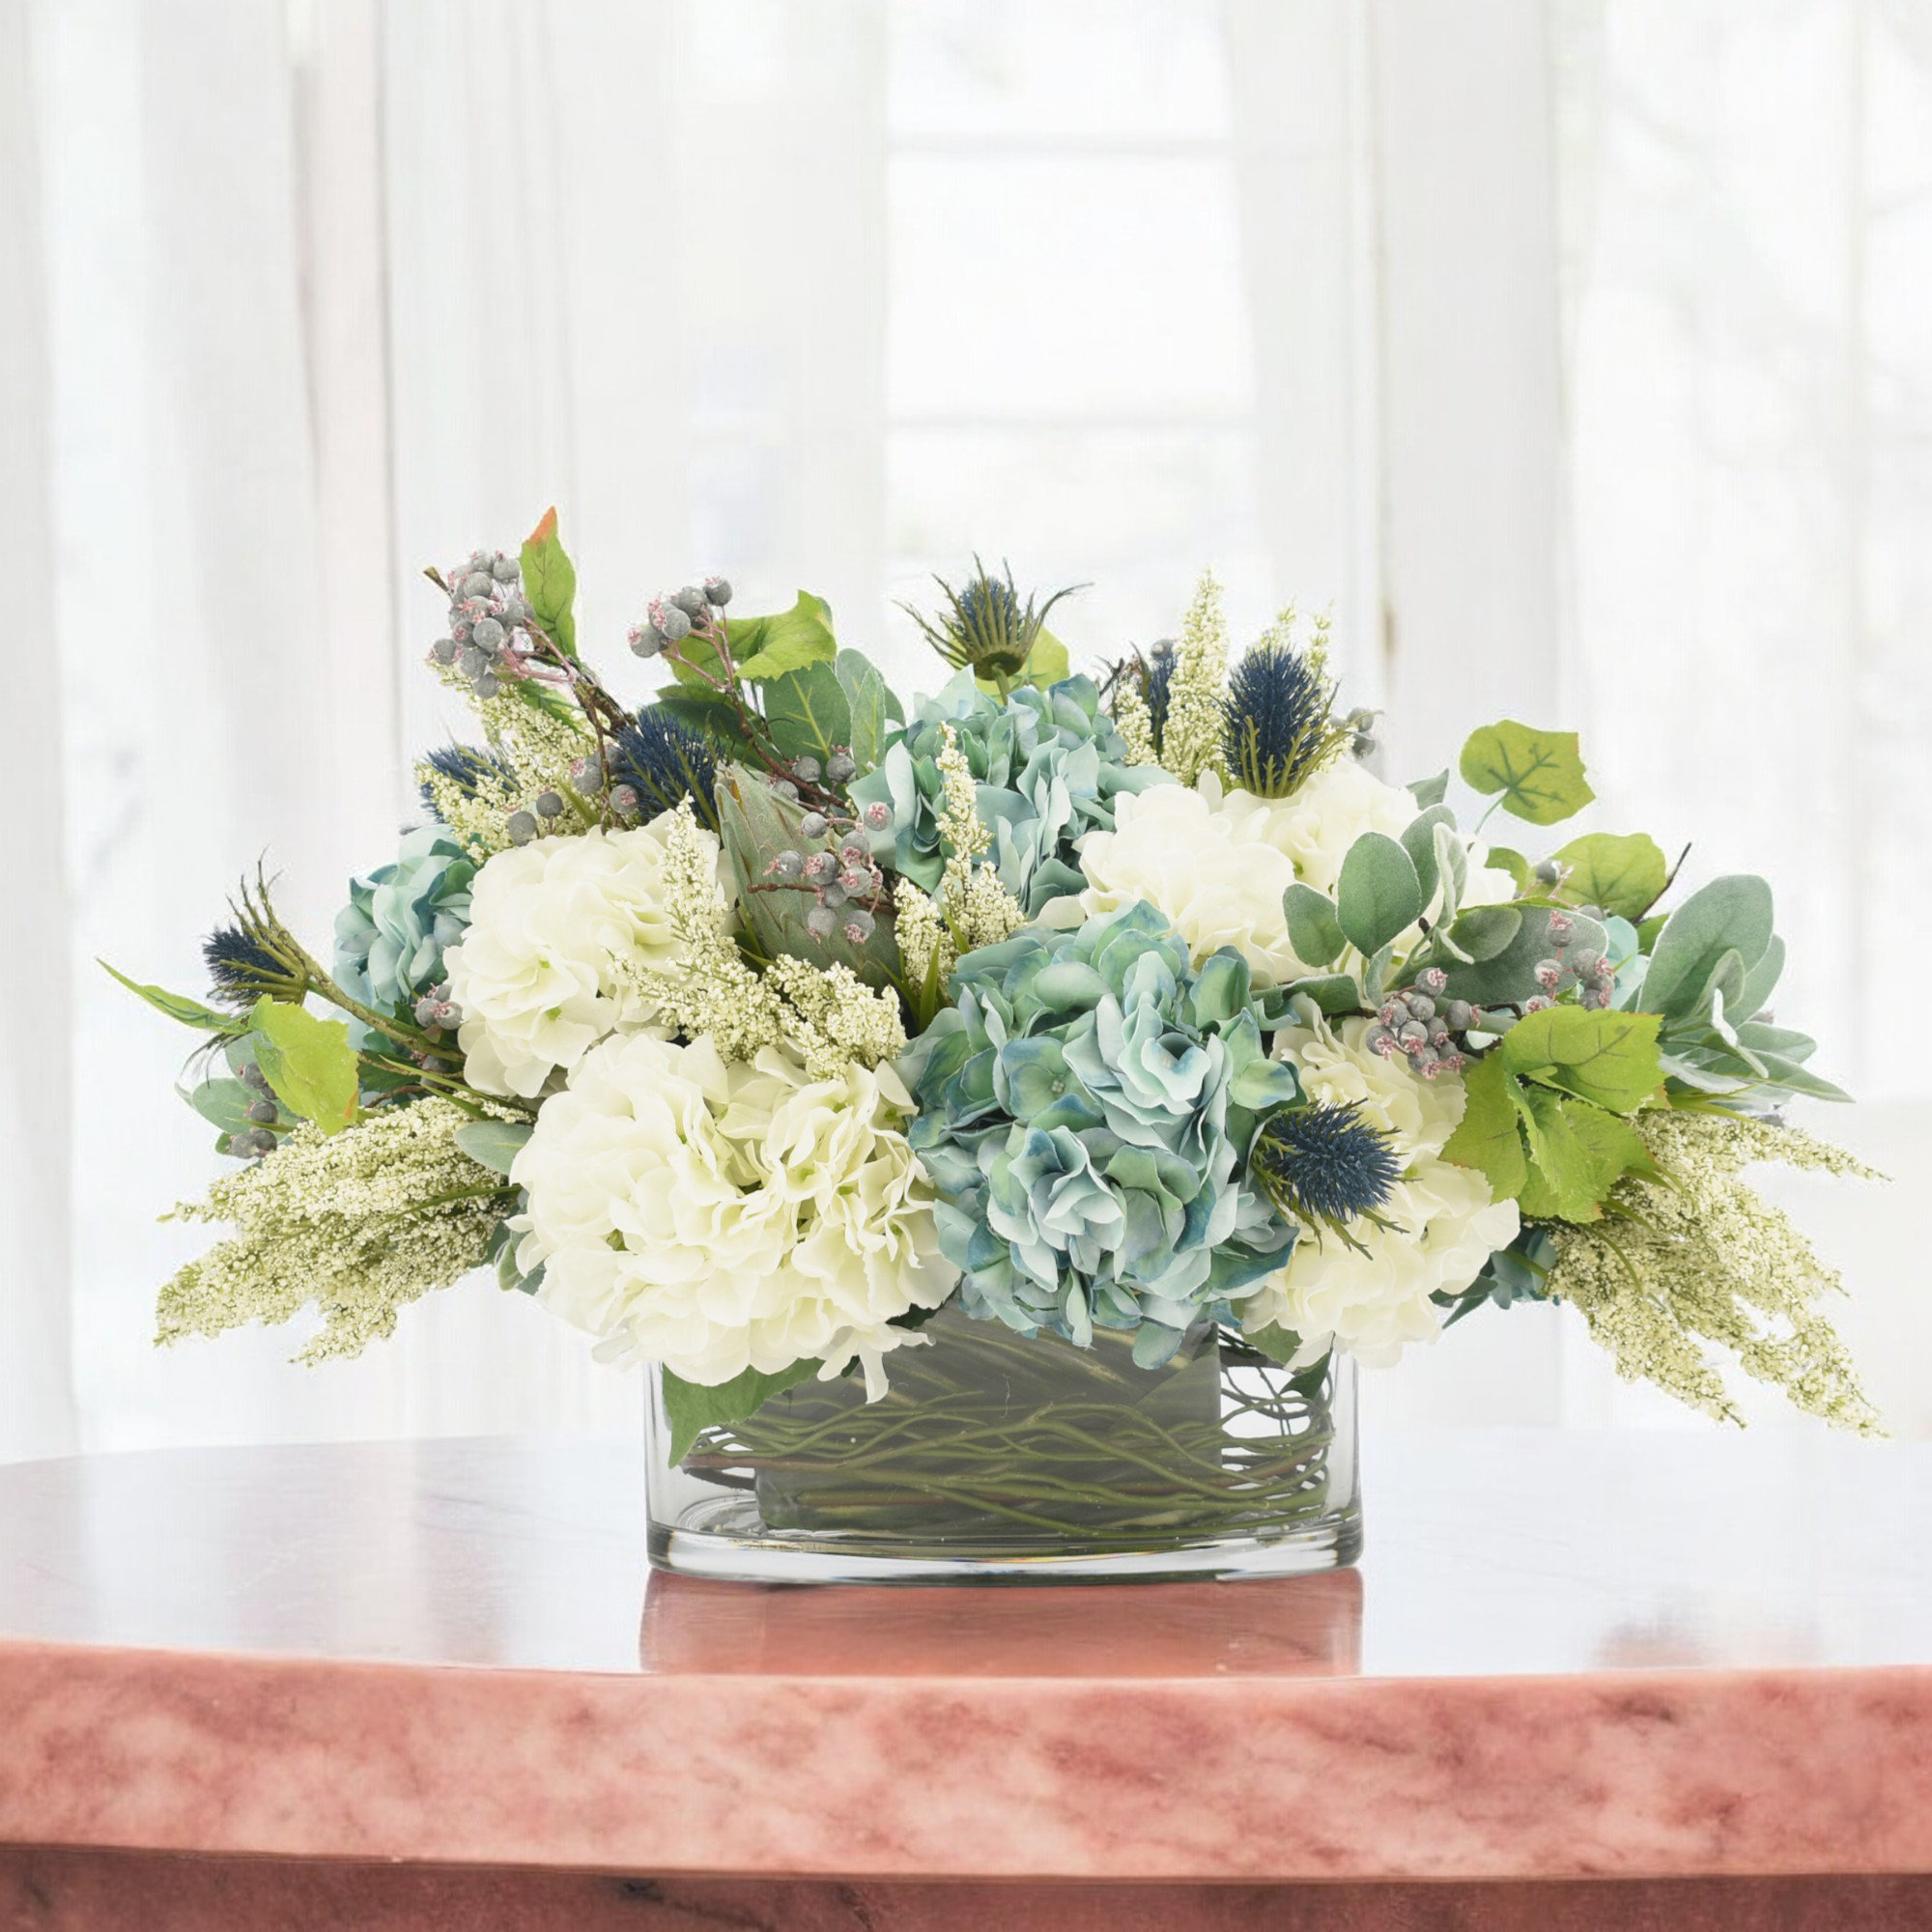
[399, 921]
[1049, 765]
[1086, 1108]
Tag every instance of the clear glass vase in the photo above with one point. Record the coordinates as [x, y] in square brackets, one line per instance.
[1004, 1459]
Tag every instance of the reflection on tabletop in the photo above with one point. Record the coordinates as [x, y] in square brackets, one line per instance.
[1270, 1627]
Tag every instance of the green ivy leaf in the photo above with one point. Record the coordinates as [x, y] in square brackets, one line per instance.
[1489, 1137]
[1279, 1344]
[1313, 929]
[1504, 859]
[1578, 1153]
[1378, 895]
[1624, 875]
[807, 712]
[1606, 1057]
[1539, 773]
[869, 700]
[769, 647]
[1732, 913]
[691, 1408]
[550, 582]
[494, 1144]
[309, 1063]
[188, 1012]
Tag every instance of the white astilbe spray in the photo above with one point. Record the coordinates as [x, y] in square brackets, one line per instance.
[973, 907]
[358, 1223]
[1705, 1258]
[824, 1015]
[1135, 723]
[1192, 738]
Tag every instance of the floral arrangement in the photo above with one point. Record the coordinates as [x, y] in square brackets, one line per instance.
[749, 1029]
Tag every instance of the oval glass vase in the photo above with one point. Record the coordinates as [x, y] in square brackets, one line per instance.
[997, 1458]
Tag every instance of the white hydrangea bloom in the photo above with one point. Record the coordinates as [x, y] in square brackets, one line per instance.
[1216, 879]
[549, 966]
[718, 1218]
[1217, 861]
[1443, 1222]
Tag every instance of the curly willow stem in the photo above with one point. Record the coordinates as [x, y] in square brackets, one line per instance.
[990, 1436]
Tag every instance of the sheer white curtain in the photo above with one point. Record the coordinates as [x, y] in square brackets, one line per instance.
[1572, 348]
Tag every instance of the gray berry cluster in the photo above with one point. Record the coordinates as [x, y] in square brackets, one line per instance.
[841, 873]
[1418, 1025]
[670, 620]
[1596, 977]
[255, 1141]
[487, 608]
[436, 1014]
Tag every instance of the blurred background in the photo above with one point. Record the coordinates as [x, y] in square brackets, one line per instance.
[1577, 354]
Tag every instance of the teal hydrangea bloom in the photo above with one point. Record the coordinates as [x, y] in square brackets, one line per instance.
[399, 921]
[1086, 1108]
[1049, 765]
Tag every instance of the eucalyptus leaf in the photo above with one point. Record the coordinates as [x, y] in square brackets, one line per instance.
[1484, 932]
[1430, 791]
[1539, 774]
[691, 1408]
[1378, 895]
[1761, 980]
[494, 1144]
[1313, 929]
[223, 1104]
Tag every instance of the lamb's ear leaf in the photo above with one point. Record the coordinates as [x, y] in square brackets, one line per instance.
[691, 1408]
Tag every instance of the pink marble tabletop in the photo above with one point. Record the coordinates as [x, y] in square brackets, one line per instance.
[1564, 1656]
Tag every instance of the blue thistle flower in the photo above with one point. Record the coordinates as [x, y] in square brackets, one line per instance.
[243, 965]
[985, 626]
[1157, 690]
[464, 766]
[664, 760]
[1278, 731]
[1324, 1166]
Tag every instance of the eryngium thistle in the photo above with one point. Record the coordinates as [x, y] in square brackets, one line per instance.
[1155, 692]
[984, 625]
[464, 766]
[257, 955]
[1324, 1166]
[663, 760]
[1278, 731]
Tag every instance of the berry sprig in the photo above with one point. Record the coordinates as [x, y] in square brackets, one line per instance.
[847, 885]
